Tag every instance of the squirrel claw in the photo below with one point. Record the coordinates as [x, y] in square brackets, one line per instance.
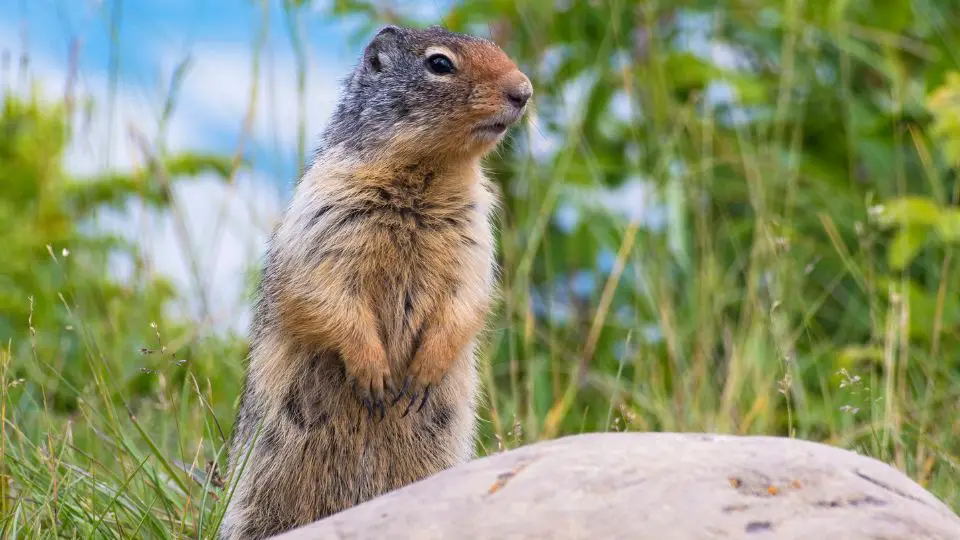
[368, 404]
[390, 394]
[414, 396]
[413, 399]
[376, 404]
[376, 409]
[426, 394]
[402, 392]
[371, 396]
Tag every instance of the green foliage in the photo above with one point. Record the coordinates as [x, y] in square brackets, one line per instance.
[82, 346]
[57, 264]
[47, 250]
[945, 106]
[916, 220]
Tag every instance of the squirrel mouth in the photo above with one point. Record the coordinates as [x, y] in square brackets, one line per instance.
[495, 128]
[497, 125]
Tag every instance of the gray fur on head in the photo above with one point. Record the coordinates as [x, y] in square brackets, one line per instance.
[389, 91]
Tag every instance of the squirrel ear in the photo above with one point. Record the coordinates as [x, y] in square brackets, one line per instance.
[376, 55]
[388, 29]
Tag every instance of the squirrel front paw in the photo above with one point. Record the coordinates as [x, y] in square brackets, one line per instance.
[369, 380]
[422, 376]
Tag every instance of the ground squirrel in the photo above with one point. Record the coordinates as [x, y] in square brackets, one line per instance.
[361, 375]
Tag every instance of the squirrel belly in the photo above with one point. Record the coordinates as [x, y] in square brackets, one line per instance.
[361, 376]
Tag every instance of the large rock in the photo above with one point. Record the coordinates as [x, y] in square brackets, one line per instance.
[658, 486]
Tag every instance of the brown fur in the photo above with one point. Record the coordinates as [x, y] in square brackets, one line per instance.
[379, 279]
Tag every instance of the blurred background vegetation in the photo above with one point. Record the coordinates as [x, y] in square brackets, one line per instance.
[736, 217]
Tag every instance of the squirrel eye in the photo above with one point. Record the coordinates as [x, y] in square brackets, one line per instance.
[440, 64]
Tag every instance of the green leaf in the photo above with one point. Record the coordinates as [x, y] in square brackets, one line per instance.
[906, 243]
[855, 354]
[688, 71]
[192, 164]
[83, 197]
[948, 226]
[909, 211]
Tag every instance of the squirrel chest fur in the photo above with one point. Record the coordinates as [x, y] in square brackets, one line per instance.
[361, 376]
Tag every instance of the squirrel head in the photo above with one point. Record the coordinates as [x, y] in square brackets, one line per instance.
[428, 92]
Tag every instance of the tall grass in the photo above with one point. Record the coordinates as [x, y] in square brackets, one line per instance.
[671, 333]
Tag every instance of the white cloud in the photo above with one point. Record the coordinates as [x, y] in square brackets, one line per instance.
[222, 229]
[105, 142]
[635, 199]
[218, 87]
[99, 141]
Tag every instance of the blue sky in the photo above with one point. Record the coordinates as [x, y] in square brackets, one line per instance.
[155, 34]
[147, 27]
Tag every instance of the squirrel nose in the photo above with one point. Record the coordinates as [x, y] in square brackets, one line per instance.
[518, 96]
[520, 91]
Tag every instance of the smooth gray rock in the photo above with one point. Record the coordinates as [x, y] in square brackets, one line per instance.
[658, 486]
